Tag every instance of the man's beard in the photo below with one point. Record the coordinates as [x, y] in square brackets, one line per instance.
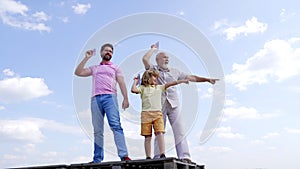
[164, 66]
[106, 57]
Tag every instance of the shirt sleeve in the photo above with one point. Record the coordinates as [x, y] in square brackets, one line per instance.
[140, 88]
[118, 71]
[181, 75]
[92, 68]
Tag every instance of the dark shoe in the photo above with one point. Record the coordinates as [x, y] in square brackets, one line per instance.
[92, 162]
[148, 158]
[187, 160]
[126, 159]
[162, 156]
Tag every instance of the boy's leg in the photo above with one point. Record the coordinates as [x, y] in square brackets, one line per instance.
[147, 145]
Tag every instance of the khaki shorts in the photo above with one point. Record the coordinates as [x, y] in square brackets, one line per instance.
[150, 118]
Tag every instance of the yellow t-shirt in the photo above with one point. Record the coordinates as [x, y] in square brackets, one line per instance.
[151, 97]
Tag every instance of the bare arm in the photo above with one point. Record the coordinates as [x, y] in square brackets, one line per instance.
[122, 85]
[81, 70]
[194, 78]
[147, 56]
[133, 87]
[176, 83]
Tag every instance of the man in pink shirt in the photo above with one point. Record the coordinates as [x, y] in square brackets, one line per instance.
[106, 76]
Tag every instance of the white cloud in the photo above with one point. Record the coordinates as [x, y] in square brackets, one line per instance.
[28, 148]
[31, 129]
[221, 23]
[295, 89]
[18, 89]
[293, 131]
[241, 113]
[229, 102]
[82, 159]
[41, 16]
[285, 15]
[258, 142]
[11, 6]
[251, 26]
[270, 135]
[235, 111]
[2, 108]
[9, 157]
[52, 104]
[226, 132]
[272, 148]
[81, 8]
[64, 19]
[219, 149]
[16, 14]
[279, 60]
[8, 72]
[209, 93]
[23, 130]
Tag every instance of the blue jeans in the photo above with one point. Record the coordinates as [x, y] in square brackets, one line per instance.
[101, 105]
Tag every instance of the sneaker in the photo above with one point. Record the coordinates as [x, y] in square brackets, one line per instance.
[148, 158]
[93, 162]
[126, 159]
[162, 156]
[187, 160]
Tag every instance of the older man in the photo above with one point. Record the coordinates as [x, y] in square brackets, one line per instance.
[170, 102]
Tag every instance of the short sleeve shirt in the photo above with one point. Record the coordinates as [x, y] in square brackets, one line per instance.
[151, 97]
[166, 76]
[104, 78]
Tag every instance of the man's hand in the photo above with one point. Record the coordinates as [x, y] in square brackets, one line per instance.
[89, 53]
[154, 46]
[213, 81]
[125, 104]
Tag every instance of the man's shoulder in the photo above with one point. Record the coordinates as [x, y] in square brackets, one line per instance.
[173, 69]
[155, 67]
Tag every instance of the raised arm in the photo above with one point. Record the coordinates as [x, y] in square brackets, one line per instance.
[194, 78]
[122, 85]
[176, 83]
[81, 70]
[147, 56]
[133, 87]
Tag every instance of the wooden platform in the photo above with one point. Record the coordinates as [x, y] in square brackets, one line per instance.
[167, 163]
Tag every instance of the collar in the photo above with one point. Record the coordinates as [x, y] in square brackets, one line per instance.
[106, 63]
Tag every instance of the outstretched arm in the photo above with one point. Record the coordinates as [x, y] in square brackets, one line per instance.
[194, 78]
[80, 70]
[147, 56]
[176, 83]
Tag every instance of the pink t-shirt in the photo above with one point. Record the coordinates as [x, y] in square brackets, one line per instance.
[105, 78]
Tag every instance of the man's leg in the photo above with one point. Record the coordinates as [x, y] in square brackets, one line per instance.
[175, 120]
[113, 116]
[97, 121]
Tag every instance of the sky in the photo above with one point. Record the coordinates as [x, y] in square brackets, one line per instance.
[44, 108]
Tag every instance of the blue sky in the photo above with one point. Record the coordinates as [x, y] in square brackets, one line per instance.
[257, 44]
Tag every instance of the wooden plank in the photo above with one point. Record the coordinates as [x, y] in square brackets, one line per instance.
[166, 163]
